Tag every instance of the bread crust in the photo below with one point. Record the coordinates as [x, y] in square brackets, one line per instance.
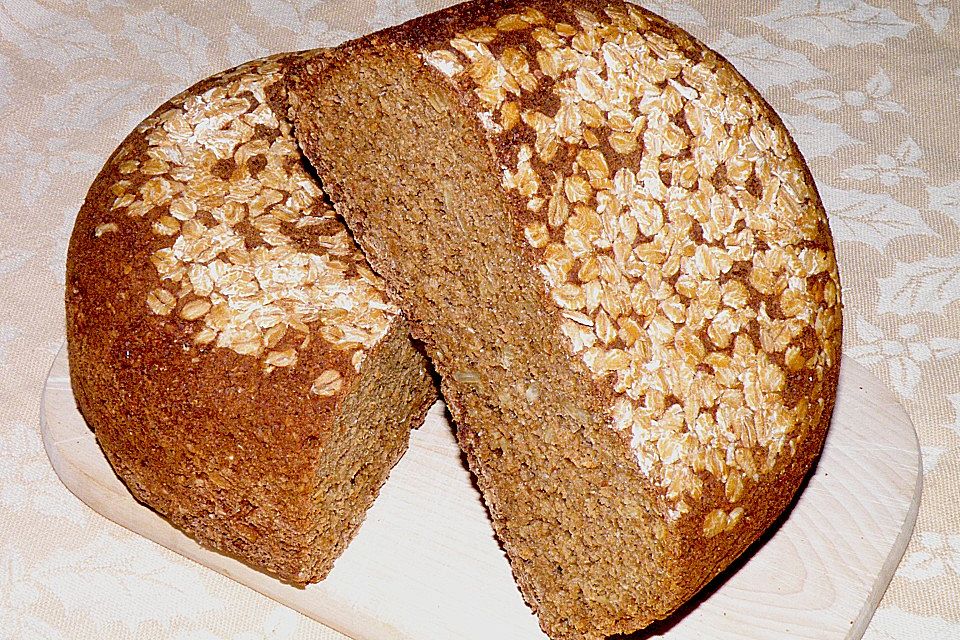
[226, 435]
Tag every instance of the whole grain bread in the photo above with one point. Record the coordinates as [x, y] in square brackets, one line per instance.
[234, 354]
[619, 263]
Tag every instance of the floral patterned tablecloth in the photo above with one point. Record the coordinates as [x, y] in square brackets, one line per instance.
[870, 90]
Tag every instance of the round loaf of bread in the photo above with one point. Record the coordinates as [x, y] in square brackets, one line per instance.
[235, 356]
[620, 266]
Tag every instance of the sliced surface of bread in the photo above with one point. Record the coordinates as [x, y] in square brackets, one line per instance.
[617, 260]
[237, 359]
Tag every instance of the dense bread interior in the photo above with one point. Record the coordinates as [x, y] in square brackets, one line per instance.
[416, 182]
[370, 433]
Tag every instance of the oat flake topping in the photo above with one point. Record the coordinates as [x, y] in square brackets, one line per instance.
[676, 232]
[235, 216]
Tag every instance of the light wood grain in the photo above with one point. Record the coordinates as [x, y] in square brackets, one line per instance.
[425, 565]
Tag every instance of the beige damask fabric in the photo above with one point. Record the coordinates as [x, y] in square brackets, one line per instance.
[870, 89]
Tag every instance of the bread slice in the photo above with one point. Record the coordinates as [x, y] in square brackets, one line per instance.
[237, 359]
[620, 266]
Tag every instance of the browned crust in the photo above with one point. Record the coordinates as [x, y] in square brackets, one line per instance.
[697, 559]
[202, 434]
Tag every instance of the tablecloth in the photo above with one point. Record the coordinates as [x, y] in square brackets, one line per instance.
[868, 88]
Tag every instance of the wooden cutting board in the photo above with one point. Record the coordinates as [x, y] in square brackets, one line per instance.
[425, 565]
